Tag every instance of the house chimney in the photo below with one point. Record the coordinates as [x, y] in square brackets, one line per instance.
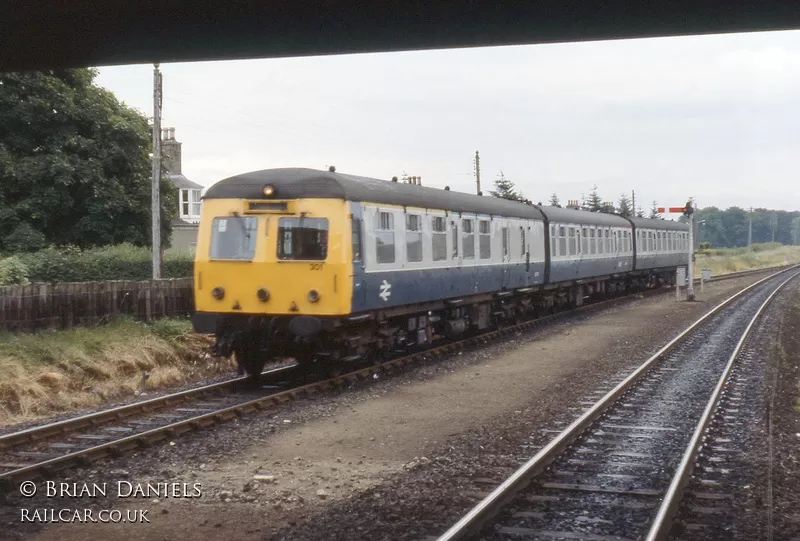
[171, 150]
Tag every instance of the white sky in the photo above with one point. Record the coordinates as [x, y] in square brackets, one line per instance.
[713, 117]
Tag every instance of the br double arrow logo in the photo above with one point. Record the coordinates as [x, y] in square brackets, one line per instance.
[386, 291]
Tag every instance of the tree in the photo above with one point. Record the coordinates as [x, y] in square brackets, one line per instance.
[554, 202]
[75, 164]
[654, 215]
[625, 208]
[639, 212]
[595, 202]
[505, 189]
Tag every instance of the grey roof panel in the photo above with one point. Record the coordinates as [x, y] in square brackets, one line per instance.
[294, 183]
[660, 224]
[558, 214]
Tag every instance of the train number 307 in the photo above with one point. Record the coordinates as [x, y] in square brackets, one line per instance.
[315, 266]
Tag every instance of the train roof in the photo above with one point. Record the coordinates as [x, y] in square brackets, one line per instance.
[660, 224]
[558, 214]
[295, 183]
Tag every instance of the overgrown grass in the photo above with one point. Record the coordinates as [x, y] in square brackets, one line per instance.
[54, 371]
[738, 259]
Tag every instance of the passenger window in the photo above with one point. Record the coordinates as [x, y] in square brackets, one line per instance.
[553, 241]
[303, 239]
[454, 229]
[439, 238]
[504, 233]
[384, 237]
[562, 240]
[600, 242]
[522, 234]
[484, 240]
[592, 242]
[356, 238]
[413, 237]
[468, 239]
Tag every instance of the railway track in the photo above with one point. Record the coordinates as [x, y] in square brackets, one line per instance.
[44, 450]
[618, 472]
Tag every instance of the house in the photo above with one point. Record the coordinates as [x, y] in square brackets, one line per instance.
[185, 226]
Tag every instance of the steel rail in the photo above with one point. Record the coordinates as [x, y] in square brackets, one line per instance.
[150, 436]
[500, 496]
[660, 528]
[95, 419]
[92, 420]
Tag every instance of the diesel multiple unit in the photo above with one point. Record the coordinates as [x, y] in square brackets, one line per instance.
[327, 267]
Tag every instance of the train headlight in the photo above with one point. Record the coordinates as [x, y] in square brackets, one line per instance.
[263, 294]
[313, 295]
[269, 190]
[218, 293]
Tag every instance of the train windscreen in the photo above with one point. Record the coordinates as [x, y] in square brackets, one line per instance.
[233, 237]
[304, 239]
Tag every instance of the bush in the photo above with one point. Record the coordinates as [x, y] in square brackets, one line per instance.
[121, 262]
[13, 271]
[765, 246]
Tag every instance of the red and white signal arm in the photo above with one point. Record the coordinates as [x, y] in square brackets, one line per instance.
[671, 210]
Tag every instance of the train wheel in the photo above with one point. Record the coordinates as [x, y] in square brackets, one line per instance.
[251, 362]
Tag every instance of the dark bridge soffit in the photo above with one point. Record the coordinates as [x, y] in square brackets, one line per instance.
[41, 34]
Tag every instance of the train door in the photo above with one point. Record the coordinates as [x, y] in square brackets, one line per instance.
[458, 257]
[505, 235]
[358, 240]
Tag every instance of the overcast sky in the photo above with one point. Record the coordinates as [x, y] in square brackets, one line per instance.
[713, 117]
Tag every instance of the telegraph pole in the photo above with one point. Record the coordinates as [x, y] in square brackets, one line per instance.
[478, 172]
[690, 289]
[750, 229]
[156, 210]
[633, 203]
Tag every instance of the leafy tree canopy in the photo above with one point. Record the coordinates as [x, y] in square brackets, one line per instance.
[75, 164]
[505, 189]
[729, 228]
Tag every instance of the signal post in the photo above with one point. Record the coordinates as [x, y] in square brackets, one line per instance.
[687, 211]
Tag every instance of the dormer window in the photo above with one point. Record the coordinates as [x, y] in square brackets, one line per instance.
[190, 204]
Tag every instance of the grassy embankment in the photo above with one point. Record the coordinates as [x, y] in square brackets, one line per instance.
[56, 371]
[737, 259]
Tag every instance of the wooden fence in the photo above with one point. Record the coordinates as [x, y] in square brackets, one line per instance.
[70, 304]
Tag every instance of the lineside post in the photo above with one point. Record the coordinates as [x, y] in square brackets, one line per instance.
[156, 181]
[690, 287]
[680, 280]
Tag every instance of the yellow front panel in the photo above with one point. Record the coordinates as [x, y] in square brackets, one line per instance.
[288, 282]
